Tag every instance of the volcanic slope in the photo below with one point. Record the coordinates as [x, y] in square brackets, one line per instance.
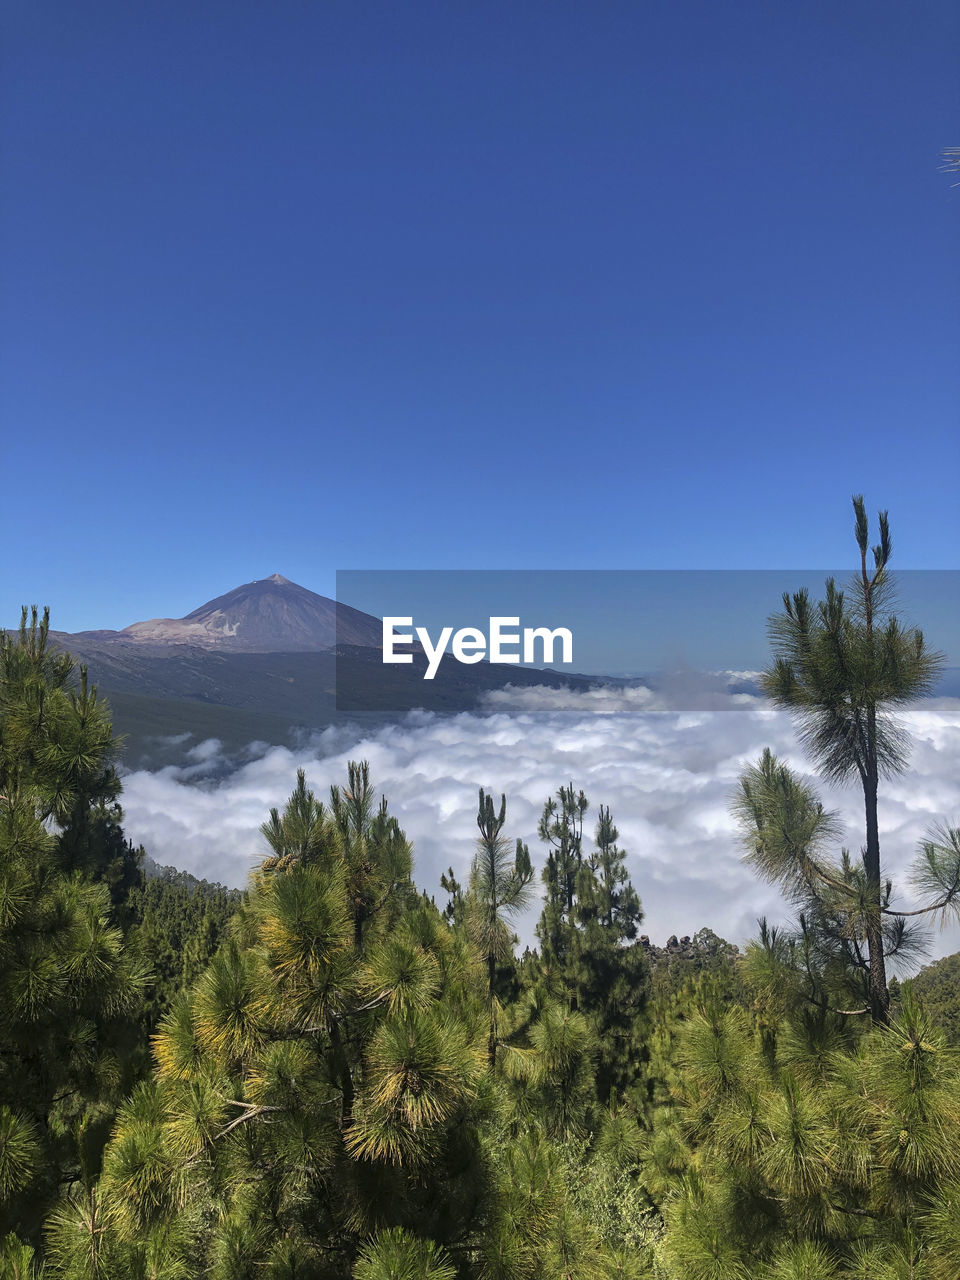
[265, 662]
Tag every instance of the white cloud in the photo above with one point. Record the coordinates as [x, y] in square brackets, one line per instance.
[667, 775]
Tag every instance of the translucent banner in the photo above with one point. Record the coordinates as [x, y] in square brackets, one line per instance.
[444, 639]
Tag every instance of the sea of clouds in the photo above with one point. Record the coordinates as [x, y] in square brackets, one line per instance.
[666, 768]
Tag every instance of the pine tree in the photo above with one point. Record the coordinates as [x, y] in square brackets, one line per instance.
[316, 1087]
[397, 1255]
[57, 739]
[324, 1104]
[818, 1150]
[498, 891]
[799, 1139]
[619, 906]
[68, 988]
[613, 978]
[843, 667]
[455, 910]
[589, 954]
[561, 829]
[373, 850]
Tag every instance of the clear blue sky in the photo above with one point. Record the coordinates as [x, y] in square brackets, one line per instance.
[304, 286]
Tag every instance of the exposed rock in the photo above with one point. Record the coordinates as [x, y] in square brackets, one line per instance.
[268, 615]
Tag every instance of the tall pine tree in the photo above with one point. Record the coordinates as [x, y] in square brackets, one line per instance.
[843, 667]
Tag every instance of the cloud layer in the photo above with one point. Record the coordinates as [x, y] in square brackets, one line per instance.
[667, 774]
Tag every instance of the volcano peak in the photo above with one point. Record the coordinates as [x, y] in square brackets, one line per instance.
[267, 615]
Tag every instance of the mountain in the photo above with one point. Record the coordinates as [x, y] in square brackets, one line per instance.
[266, 662]
[268, 615]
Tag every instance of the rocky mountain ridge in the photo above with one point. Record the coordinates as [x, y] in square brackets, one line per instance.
[267, 615]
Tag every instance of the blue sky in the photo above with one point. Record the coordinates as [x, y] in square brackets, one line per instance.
[299, 287]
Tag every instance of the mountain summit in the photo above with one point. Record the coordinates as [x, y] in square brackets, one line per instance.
[268, 615]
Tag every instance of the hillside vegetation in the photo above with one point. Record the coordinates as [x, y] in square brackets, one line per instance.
[334, 1077]
[937, 988]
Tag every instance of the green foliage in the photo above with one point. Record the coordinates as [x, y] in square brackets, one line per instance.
[423, 1071]
[813, 1154]
[57, 747]
[176, 927]
[844, 667]
[20, 1154]
[314, 1086]
[396, 1255]
[17, 1260]
[937, 988]
[819, 1146]
[603, 1182]
[590, 956]
[69, 990]
[324, 1101]
[499, 890]
[348, 1084]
